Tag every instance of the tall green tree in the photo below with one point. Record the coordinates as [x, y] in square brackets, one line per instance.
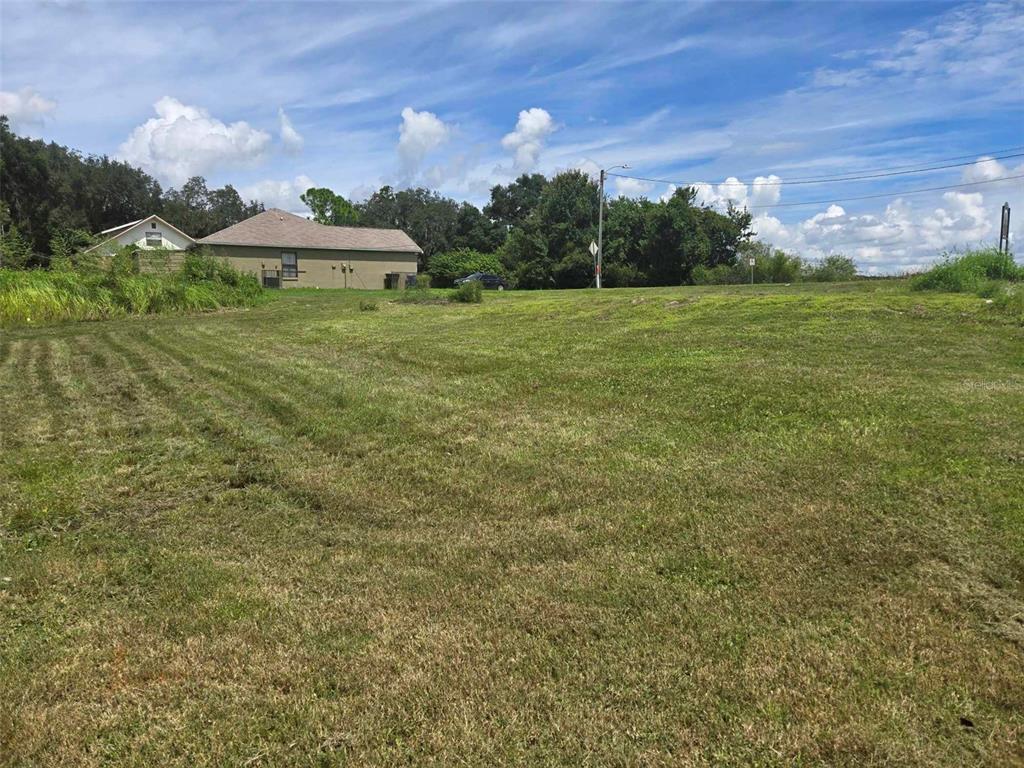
[199, 211]
[512, 203]
[548, 249]
[329, 207]
[48, 188]
[15, 249]
[475, 231]
[437, 224]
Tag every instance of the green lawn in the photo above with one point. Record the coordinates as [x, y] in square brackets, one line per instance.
[746, 525]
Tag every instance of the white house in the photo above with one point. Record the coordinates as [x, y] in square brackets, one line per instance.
[146, 234]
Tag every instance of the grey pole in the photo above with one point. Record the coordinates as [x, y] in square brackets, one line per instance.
[600, 231]
[600, 222]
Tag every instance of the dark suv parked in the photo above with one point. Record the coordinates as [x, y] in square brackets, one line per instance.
[488, 281]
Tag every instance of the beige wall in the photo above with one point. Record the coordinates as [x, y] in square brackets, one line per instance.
[321, 268]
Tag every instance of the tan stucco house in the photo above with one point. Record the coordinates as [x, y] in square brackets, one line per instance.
[149, 234]
[285, 250]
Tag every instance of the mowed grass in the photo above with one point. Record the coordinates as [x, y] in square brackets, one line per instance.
[744, 525]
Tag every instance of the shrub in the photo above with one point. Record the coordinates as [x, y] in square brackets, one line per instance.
[575, 270]
[617, 275]
[723, 274]
[832, 269]
[771, 265]
[782, 267]
[471, 292]
[420, 282]
[969, 272]
[15, 251]
[445, 268]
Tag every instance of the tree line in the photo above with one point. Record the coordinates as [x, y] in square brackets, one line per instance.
[53, 198]
[535, 231]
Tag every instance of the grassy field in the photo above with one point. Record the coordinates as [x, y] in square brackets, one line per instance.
[745, 525]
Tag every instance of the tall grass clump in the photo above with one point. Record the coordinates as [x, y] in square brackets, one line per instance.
[970, 272]
[115, 287]
[988, 273]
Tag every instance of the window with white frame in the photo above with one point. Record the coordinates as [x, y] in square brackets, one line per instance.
[154, 239]
[289, 265]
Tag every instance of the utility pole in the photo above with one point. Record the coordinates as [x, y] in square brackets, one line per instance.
[1004, 229]
[600, 232]
[600, 223]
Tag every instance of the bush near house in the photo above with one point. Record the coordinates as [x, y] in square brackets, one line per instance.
[445, 268]
[92, 292]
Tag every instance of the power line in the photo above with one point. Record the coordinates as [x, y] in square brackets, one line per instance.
[835, 179]
[972, 157]
[891, 194]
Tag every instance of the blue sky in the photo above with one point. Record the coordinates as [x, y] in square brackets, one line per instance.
[273, 97]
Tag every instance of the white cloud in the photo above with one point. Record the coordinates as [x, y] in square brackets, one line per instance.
[766, 190]
[279, 194]
[632, 187]
[25, 107]
[290, 138]
[527, 140]
[419, 134]
[731, 190]
[989, 169]
[183, 141]
[588, 166]
[903, 237]
[962, 213]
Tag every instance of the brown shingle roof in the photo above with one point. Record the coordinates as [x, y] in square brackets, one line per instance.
[279, 229]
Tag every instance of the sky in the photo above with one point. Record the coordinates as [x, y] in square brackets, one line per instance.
[748, 100]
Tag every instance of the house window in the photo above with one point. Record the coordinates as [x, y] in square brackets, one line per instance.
[289, 265]
[154, 239]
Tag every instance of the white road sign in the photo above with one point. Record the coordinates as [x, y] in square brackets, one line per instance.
[593, 248]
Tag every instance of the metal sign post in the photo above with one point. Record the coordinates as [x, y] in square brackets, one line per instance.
[751, 270]
[1004, 230]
